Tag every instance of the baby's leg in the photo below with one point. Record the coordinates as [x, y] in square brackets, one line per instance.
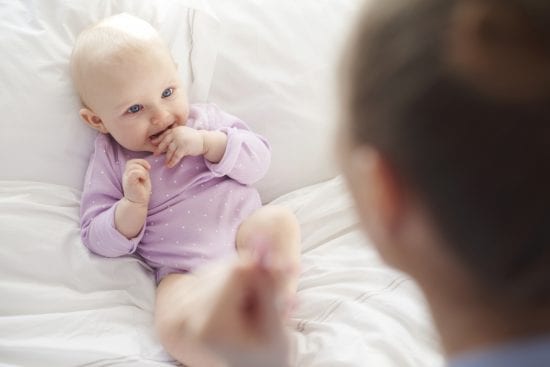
[180, 304]
[230, 308]
[272, 233]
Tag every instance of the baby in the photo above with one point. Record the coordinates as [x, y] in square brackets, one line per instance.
[170, 183]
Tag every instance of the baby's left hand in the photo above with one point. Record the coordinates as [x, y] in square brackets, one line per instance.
[179, 142]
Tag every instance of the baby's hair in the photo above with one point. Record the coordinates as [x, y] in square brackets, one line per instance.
[110, 41]
[456, 95]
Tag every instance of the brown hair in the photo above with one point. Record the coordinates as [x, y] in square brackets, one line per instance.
[456, 95]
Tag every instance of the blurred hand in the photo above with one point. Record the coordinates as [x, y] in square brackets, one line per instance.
[247, 329]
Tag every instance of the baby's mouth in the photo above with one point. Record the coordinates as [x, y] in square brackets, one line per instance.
[154, 136]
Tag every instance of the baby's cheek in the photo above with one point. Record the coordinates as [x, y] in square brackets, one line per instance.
[185, 114]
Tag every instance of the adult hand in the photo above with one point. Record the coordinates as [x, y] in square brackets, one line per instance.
[246, 328]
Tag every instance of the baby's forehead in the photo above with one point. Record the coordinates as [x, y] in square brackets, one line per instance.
[111, 47]
[124, 68]
[112, 66]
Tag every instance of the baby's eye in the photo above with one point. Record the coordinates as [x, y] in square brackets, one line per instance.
[135, 108]
[167, 92]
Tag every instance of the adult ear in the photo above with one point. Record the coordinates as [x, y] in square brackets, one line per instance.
[93, 120]
[379, 195]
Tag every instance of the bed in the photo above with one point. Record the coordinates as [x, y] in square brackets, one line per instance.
[272, 63]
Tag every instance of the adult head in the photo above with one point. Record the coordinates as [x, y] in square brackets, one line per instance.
[446, 148]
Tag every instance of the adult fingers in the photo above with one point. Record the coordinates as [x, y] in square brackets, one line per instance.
[254, 333]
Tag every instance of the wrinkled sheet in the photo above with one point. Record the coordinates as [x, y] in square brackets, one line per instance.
[63, 306]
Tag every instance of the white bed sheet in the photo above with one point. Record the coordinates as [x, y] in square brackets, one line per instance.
[62, 306]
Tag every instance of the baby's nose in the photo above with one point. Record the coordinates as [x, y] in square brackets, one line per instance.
[160, 117]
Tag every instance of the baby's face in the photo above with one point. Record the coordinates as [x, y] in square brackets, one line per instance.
[138, 98]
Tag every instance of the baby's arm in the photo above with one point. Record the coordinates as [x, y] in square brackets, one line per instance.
[215, 143]
[228, 145]
[131, 210]
[102, 201]
[246, 156]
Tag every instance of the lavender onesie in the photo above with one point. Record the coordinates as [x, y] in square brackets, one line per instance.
[195, 207]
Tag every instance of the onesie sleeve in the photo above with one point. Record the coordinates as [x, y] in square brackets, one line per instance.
[101, 194]
[247, 155]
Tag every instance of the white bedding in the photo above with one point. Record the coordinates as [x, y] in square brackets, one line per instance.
[62, 306]
[270, 62]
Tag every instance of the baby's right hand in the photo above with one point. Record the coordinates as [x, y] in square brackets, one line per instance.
[136, 181]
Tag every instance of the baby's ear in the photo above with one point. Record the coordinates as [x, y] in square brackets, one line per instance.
[93, 120]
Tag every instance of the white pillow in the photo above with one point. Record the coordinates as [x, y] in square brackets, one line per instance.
[41, 135]
[276, 69]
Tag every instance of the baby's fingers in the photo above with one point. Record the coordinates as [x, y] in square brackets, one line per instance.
[133, 163]
[157, 139]
[164, 144]
[137, 175]
[174, 155]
